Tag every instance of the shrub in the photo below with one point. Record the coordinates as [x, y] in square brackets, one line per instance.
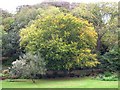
[108, 76]
[28, 66]
[110, 60]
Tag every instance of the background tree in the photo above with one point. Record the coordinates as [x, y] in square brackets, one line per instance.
[102, 15]
[13, 23]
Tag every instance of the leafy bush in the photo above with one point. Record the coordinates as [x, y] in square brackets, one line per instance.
[108, 76]
[110, 60]
[63, 40]
[10, 47]
[28, 66]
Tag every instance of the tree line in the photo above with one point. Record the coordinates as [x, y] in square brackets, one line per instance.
[61, 37]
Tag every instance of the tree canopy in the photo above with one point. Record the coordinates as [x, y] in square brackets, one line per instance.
[67, 37]
[63, 39]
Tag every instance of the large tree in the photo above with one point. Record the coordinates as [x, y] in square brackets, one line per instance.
[103, 17]
[63, 40]
[12, 23]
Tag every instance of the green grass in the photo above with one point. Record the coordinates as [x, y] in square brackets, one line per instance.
[61, 83]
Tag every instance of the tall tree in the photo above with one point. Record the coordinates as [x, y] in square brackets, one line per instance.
[101, 15]
[63, 39]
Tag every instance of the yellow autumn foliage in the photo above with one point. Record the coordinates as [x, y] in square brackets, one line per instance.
[64, 39]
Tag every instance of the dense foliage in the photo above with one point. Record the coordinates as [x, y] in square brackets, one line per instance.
[63, 39]
[108, 76]
[28, 66]
[104, 18]
[110, 60]
[68, 36]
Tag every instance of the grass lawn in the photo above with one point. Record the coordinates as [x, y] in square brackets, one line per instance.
[61, 83]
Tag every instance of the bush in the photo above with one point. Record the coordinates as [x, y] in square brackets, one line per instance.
[110, 60]
[108, 76]
[28, 66]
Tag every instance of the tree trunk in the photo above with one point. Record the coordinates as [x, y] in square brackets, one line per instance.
[33, 80]
[32, 77]
[98, 43]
